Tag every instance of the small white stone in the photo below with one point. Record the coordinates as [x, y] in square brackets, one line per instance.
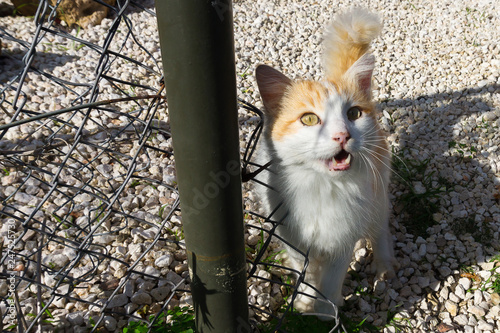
[451, 307]
[468, 329]
[476, 310]
[110, 323]
[478, 297]
[393, 294]
[128, 288]
[465, 283]
[423, 281]
[450, 237]
[117, 301]
[159, 294]
[141, 298]
[485, 275]
[364, 306]
[495, 299]
[379, 286]
[406, 291]
[461, 320]
[432, 248]
[484, 326]
[454, 297]
[75, 318]
[253, 239]
[494, 312]
[164, 260]
[444, 293]
[444, 271]
[422, 251]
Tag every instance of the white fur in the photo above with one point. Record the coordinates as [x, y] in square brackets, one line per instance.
[327, 212]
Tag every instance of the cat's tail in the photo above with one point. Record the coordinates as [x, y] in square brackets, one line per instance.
[348, 39]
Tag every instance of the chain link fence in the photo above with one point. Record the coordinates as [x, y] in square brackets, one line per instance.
[91, 225]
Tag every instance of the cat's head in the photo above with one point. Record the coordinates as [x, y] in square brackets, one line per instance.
[327, 126]
[320, 125]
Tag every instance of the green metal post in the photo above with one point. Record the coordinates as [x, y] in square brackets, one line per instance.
[197, 48]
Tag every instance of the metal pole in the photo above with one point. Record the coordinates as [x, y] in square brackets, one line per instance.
[198, 59]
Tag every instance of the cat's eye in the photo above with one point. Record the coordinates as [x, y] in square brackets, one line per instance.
[354, 113]
[310, 119]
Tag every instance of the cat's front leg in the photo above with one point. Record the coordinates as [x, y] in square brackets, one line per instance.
[384, 263]
[332, 279]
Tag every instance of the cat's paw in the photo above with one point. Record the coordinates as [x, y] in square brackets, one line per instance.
[327, 308]
[385, 269]
[303, 303]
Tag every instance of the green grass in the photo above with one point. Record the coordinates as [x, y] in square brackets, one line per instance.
[491, 285]
[418, 207]
[297, 323]
[494, 278]
[181, 320]
[397, 322]
[357, 325]
[482, 234]
[462, 149]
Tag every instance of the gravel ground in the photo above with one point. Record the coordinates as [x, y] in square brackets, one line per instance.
[437, 84]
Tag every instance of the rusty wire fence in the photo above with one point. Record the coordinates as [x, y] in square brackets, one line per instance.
[91, 233]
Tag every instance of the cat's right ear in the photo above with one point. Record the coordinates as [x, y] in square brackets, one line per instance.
[272, 87]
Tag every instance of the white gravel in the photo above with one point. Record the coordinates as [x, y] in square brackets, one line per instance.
[437, 82]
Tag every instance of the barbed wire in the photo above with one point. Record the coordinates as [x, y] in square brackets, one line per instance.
[74, 159]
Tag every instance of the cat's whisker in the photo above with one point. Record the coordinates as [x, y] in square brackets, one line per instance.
[376, 173]
[369, 166]
[389, 166]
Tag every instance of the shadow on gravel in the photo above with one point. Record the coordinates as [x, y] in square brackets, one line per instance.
[456, 160]
[445, 188]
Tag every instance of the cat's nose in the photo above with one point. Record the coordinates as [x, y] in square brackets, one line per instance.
[341, 137]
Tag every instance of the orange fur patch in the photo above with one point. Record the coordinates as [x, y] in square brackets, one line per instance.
[348, 38]
[301, 97]
[351, 92]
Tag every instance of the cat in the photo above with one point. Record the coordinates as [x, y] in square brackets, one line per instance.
[330, 162]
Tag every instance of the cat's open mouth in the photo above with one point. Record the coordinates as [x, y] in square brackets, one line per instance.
[340, 162]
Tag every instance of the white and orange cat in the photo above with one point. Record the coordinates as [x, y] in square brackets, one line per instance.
[330, 163]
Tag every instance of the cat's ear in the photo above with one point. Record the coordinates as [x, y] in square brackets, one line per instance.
[360, 73]
[272, 86]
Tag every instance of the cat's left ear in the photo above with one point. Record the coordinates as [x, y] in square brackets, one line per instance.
[272, 87]
[360, 73]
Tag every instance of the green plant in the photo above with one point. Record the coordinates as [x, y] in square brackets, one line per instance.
[494, 279]
[297, 323]
[162, 209]
[485, 124]
[356, 325]
[178, 235]
[397, 322]
[62, 222]
[495, 285]
[467, 225]
[418, 205]
[271, 257]
[412, 5]
[466, 269]
[177, 320]
[462, 149]
[245, 73]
